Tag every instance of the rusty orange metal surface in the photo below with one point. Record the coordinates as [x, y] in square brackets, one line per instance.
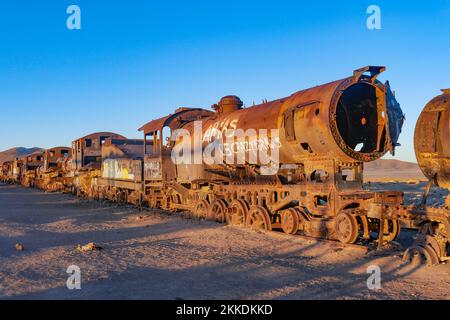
[431, 140]
[354, 120]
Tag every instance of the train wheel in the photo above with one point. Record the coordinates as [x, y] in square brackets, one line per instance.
[110, 192]
[125, 196]
[152, 202]
[135, 198]
[346, 227]
[166, 203]
[421, 255]
[121, 196]
[139, 200]
[201, 209]
[237, 213]
[258, 219]
[217, 211]
[391, 230]
[364, 227]
[94, 194]
[289, 221]
[101, 194]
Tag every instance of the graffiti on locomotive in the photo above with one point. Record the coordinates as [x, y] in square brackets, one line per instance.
[224, 143]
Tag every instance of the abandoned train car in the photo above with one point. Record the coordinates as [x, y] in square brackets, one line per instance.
[51, 176]
[86, 161]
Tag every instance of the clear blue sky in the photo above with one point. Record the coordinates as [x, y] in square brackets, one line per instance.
[133, 61]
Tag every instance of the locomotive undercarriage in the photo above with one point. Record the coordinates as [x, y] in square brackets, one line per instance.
[349, 216]
[292, 209]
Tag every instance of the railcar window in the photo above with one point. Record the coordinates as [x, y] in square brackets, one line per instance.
[88, 143]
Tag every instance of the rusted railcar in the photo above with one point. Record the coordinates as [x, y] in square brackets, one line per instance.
[51, 176]
[6, 173]
[85, 163]
[432, 147]
[325, 134]
[29, 170]
[122, 171]
[17, 170]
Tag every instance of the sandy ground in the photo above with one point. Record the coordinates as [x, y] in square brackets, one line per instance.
[154, 255]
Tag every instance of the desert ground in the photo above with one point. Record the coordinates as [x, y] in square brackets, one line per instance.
[152, 254]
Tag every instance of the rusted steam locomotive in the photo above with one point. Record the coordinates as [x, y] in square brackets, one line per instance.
[325, 134]
[321, 138]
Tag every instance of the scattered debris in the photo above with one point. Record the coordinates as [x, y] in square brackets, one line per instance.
[19, 247]
[91, 246]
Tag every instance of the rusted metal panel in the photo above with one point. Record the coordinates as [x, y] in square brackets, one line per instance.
[176, 120]
[152, 168]
[122, 169]
[124, 148]
[55, 157]
[154, 125]
[89, 148]
[431, 140]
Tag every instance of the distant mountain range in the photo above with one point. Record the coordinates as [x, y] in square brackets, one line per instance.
[390, 169]
[13, 153]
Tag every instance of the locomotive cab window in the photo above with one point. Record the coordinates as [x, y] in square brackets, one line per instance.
[102, 140]
[166, 136]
